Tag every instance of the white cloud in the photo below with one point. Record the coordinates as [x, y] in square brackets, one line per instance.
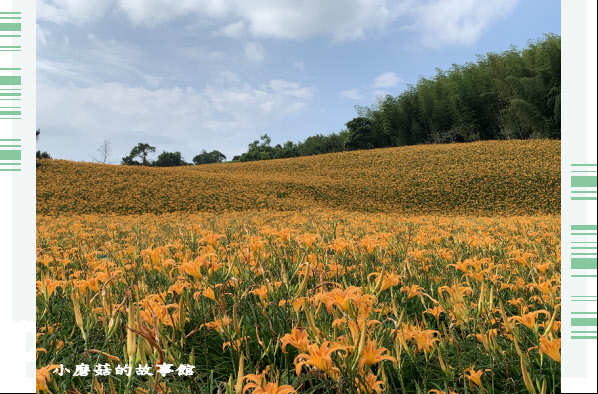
[437, 22]
[225, 112]
[340, 19]
[299, 65]
[70, 72]
[254, 51]
[352, 94]
[457, 22]
[40, 35]
[233, 30]
[201, 54]
[77, 11]
[152, 80]
[386, 80]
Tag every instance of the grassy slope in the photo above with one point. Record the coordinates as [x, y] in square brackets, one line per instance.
[494, 177]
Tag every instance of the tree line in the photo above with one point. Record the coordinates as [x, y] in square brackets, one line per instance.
[140, 153]
[515, 94]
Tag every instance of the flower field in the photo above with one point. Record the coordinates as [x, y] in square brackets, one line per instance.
[344, 292]
[487, 178]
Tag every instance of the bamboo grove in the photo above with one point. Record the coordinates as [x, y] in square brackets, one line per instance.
[515, 94]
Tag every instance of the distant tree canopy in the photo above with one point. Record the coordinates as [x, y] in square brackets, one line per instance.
[39, 154]
[314, 145]
[515, 94]
[141, 151]
[169, 159]
[209, 157]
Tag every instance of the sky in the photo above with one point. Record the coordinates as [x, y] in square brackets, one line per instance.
[189, 75]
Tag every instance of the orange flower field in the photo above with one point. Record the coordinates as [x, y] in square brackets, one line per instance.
[361, 272]
[488, 178]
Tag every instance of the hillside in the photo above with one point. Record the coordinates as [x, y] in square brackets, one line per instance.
[488, 178]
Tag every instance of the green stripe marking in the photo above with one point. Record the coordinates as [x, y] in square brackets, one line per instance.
[10, 164]
[583, 264]
[583, 181]
[584, 233]
[584, 198]
[10, 112]
[583, 276]
[588, 337]
[584, 321]
[10, 154]
[584, 165]
[10, 27]
[16, 80]
[584, 227]
[584, 313]
[11, 139]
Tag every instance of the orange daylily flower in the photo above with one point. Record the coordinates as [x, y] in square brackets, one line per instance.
[299, 339]
[425, 339]
[370, 385]
[412, 291]
[43, 377]
[261, 292]
[319, 357]
[372, 355]
[339, 298]
[474, 376]
[260, 386]
[209, 293]
[529, 319]
[551, 348]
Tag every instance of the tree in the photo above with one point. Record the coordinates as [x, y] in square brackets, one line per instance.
[169, 159]
[142, 150]
[104, 152]
[39, 154]
[42, 155]
[261, 151]
[209, 157]
[360, 134]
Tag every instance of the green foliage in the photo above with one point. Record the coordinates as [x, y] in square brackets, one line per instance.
[360, 134]
[314, 145]
[209, 157]
[169, 159]
[42, 155]
[514, 94]
[142, 151]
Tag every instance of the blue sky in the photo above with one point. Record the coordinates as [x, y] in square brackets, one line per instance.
[188, 75]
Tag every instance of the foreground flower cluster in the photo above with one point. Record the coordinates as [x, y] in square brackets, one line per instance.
[312, 301]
